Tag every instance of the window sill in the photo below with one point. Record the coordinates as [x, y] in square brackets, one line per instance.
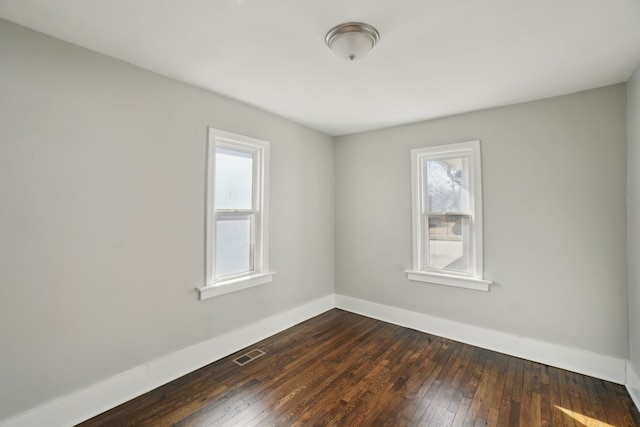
[449, 280]
[228, 286]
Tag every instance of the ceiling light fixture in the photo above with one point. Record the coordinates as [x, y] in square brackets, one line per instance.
[352, 40]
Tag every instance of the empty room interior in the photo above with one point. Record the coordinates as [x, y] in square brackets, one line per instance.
[244, 212]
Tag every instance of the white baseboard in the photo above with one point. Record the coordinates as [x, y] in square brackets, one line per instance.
[80, 406]
[584, 362]
[633, 384]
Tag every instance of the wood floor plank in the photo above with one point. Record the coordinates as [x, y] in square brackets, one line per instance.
[499, 387]
[343, 369]
[440, 396]
[492, 378]
[527, 396]
[482, 391]
[421, 384]
[507, 394]
[566, 405]
[557, 417]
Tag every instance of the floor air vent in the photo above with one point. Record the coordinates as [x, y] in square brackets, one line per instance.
[248, 357]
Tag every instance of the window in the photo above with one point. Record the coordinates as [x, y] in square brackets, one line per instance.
[237, 213]
[447, 215]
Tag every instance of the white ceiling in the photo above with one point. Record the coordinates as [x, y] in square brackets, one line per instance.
[434, 58]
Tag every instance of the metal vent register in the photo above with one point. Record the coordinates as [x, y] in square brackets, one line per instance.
[248, 357]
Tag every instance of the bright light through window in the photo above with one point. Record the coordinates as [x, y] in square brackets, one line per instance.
[234, 179]
[237, 213]
[447, 215]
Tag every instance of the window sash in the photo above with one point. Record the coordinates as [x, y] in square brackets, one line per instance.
[231, 214]
[252, 217]
[259, 151]
[447, 252]
[227, 149]
[466, 242]
[466, 198]
[473, 210]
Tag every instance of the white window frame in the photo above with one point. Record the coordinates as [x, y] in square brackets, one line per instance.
[260, 273]
[421, 273]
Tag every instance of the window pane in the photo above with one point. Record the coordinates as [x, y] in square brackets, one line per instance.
[234, 179]
[234, 251]
[447, 185]
[448, 243]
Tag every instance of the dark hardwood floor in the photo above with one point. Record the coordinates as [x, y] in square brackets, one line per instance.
[344, 369]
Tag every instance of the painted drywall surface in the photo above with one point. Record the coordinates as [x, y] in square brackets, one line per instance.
[102, 175]
[554, 178]
[633, 201]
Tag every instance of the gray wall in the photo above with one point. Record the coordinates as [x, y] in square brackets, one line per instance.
[633, 123]
[554, 178]
[102, 174]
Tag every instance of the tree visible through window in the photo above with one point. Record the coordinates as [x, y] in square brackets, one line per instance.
[447, 214]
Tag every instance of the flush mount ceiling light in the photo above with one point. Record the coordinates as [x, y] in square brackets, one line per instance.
[352, 40]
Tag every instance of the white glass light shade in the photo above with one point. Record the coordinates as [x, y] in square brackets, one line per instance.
[352, 40]
[351, 46]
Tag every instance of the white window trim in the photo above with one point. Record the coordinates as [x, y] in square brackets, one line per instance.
[418, 273]
[261, 274]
